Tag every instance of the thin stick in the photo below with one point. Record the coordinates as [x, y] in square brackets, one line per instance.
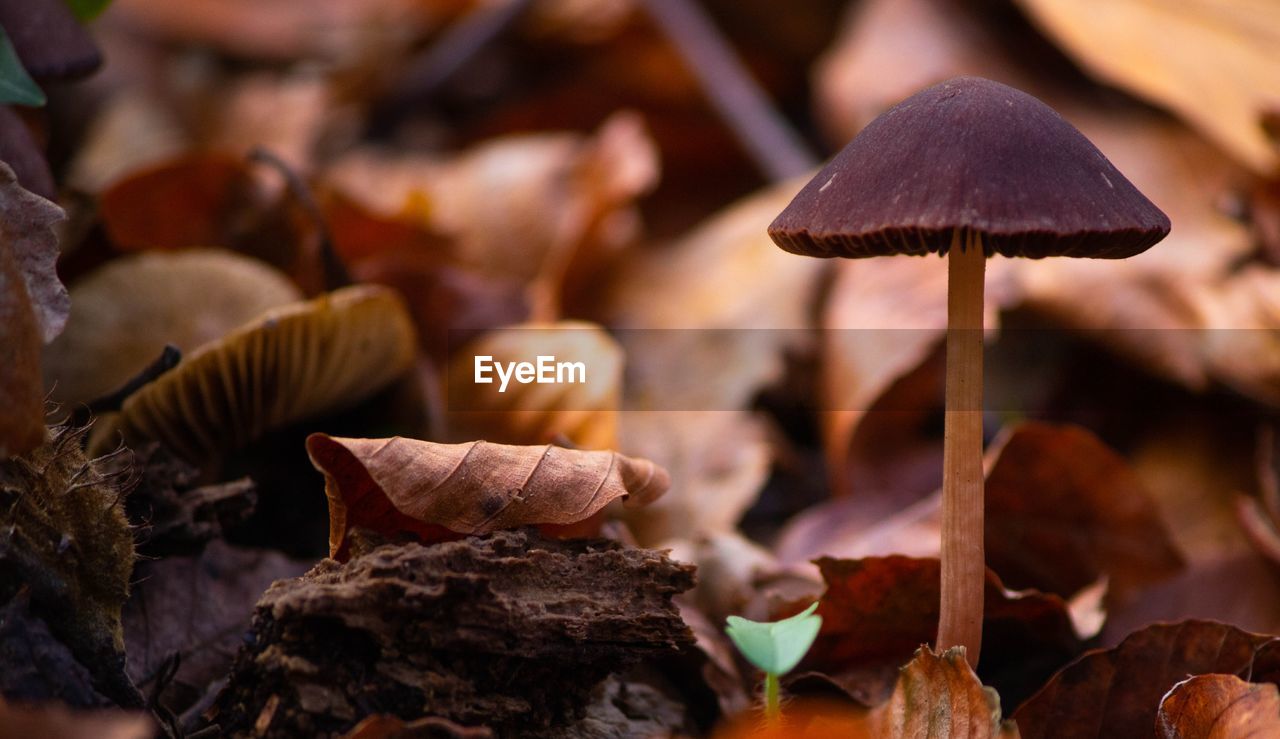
[450, 53]
[168, 359]
[763, 132]
[335, 270]
[963, 562]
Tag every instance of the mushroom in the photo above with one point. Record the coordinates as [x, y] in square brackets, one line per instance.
[968, 168]
[124, 313]
[293, 362]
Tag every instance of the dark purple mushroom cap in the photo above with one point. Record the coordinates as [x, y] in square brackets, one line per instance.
[49, 40]
[970, 155]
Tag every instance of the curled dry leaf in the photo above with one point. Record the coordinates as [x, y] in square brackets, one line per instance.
[124, 313]
[1124, 684]
[1213, 64]
[1218, 707]
[294, 362]
[583, 409]
[877, 611]
[395, 486]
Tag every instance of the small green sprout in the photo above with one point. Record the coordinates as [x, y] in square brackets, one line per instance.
[776, 648]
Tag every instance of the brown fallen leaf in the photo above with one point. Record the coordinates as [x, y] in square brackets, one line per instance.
[584, 409]
[33, 309]
[1211, 63]
[395, 486]
[1123, 685]
[52, 720]
[124, 313]
[1064, 509]
[508, 630]
[884, 319]
[1218, 707]
[223, 582]
[180, 202]
[294, 362]
[877, 611]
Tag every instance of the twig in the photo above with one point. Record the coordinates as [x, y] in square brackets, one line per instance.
[778, 150]
[168, 359]
[336, 274]
[455, 47]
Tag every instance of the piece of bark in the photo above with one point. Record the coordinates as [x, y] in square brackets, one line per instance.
[512, 631]
[173, 514]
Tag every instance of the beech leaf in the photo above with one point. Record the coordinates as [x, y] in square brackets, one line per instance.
[436, 491]
[1219, 707]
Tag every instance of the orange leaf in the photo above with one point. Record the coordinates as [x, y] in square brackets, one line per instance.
[435, 491]
[1219, 707]
[179, 202]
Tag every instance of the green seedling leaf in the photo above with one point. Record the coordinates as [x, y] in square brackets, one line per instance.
[87, 10]
[16, 86]
[779, 646]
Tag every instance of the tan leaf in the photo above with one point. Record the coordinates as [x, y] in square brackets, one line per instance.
[1212, 63]
[291, 363]
[718, 459]
[33, 309]
[583, 409]
[123, 314]
[562, 197]
[1219, 707]
[399, 485]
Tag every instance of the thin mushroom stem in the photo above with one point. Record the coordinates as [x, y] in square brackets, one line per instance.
[963, 564]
